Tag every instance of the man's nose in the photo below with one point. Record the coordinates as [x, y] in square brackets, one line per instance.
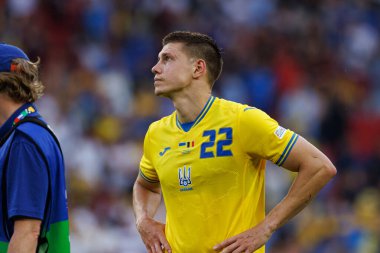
[155, 69]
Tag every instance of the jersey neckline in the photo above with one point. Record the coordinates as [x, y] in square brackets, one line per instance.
[200, 116]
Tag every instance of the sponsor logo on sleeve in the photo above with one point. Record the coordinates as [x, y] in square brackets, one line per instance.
[280, 132]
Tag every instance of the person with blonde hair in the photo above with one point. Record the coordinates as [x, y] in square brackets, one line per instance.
[33, 214]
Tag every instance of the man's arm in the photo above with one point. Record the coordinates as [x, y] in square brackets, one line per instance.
[25, 236]
[314, 171]
[146, 200]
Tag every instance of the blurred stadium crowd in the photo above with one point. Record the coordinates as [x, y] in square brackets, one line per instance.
[312, 65]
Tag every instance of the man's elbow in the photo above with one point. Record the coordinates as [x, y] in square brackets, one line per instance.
[329, 170]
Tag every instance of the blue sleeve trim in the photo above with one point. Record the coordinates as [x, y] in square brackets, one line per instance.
[287, 150]
[148, 179]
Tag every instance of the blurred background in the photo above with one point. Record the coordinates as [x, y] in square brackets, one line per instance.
[313, 65]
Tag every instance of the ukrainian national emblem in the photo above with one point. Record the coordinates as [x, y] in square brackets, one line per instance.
[184, 177]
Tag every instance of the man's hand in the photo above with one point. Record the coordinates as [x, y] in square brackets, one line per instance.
[153, 235]
[246, 242]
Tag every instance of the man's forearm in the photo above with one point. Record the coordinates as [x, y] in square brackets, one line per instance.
[25, 244]
[307, 184]
[145, 201]
[25, 236]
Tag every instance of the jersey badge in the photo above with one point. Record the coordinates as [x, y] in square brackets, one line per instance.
[184, 177]
[187, 146]
[249, 108]
[280, 132]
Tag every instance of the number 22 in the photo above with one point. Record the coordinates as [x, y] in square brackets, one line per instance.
[220, 145]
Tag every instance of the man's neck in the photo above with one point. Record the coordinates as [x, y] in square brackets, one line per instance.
[189, 106]
[7, 108]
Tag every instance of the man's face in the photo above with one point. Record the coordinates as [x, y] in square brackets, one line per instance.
[173, 71]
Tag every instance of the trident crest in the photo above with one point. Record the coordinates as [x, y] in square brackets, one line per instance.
[184, 176]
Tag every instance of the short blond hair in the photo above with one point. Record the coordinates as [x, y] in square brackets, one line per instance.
[22, 84]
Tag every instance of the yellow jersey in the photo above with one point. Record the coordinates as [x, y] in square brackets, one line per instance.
[212, 176]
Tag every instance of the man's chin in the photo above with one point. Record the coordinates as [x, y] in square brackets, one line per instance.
[160, 93]
[157, 92]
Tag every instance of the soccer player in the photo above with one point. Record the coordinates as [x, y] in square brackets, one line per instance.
[33, 212]
[208, 158]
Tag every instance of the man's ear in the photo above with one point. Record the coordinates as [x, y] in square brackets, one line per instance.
[199, 68]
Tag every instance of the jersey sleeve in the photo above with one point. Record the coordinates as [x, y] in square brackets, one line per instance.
[27, 180]
[147, 170]
[262, 136]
